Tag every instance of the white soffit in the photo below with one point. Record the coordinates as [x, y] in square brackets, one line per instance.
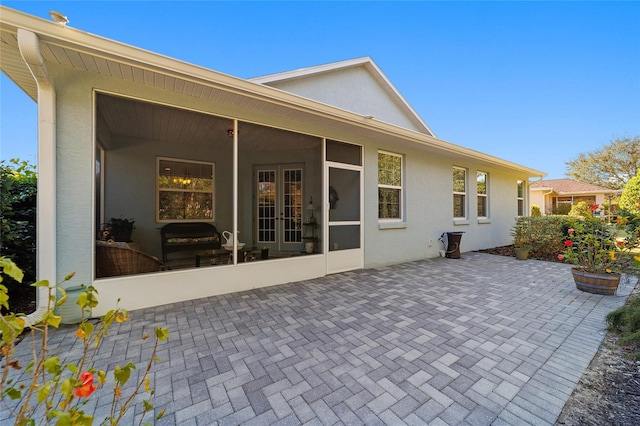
[77, 49]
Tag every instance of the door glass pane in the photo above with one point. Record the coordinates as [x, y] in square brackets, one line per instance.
[292, 215]
[344, 237]
[344, 195]
[346, 153]
[266, 206]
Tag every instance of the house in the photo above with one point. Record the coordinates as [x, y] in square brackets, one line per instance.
[550, 195]
[331, 155]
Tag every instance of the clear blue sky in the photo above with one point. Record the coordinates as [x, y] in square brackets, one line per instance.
[535, 83]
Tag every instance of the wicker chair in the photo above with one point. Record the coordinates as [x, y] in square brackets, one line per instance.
[112, 261]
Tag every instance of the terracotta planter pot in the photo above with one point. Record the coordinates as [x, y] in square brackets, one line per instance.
[596, 283]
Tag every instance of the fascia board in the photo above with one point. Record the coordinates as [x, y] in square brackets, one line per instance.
[541, 188]
[613, 191]
[303, 72]
[81, 41]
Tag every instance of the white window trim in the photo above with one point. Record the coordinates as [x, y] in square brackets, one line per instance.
[485, 195]
[462, 219]
[213, 194]
[518, 198]
[400, 188]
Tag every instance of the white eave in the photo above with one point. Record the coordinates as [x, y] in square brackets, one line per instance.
[80, 50]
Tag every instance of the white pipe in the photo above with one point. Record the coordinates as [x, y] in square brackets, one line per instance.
[29, 46]
[235, 192]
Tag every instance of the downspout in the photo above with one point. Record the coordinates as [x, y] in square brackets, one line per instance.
[544, 200]
[29, 46]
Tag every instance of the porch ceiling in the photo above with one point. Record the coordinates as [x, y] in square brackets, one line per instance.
[128, 118]
[76, 49]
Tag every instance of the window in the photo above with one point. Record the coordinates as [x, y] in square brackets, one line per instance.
[389, 186]
[185, 190]
[481, 189]
[459, 192]
[520, 198]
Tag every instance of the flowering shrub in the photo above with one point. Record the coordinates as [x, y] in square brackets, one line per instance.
[53, 392]
[597, 247]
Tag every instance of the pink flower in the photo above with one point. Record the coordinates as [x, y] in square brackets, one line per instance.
[86, 387]
[571, 231]
[561, 257]
[568, 243]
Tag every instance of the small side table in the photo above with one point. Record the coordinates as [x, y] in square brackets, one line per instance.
[310, 238]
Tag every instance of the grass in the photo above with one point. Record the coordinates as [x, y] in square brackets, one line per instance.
[626, 321]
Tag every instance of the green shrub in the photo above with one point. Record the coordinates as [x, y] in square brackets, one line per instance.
[626, 321]
[18, 185]
[535, 211]
[546, 234]
[631, 195]
[561, 209]
[543, 235]
[581, 210]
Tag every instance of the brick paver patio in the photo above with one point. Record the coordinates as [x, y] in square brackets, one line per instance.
[474, 341]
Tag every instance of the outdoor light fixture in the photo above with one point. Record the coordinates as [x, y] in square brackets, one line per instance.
[59, 18]
[230, 133]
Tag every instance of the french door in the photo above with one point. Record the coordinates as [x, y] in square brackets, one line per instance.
[279, 206]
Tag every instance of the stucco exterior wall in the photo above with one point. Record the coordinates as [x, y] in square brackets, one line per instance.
[428, 201]
[352, 89]
[537, 198]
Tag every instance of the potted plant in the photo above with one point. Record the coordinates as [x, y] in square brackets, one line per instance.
[522, 238]
[601, 252]
[120, 229]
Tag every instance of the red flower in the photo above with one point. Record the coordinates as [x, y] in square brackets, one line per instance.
[595, 207]
[568, 243]
[561, 257]
[620, 243]
[86, 387]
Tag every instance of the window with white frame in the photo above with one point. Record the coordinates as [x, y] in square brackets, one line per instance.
[520, 198]
[389, 186]
[459, 193]
[185, 190]
[482, 182]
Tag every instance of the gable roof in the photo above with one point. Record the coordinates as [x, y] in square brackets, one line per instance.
[300, 82]
[569, 186]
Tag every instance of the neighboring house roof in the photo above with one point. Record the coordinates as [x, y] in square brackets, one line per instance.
[569, 187]
[357, 85]
[67, 47]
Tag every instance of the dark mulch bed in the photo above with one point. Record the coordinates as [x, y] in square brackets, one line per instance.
[508, 251]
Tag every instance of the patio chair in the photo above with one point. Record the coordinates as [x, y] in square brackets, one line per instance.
[115, 260]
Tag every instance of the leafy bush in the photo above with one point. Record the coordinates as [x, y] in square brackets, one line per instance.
[561, 209]
[582, 210]
[626, 321]
[542, 235]
[631, 195]
[535, 211]
[18, 185]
